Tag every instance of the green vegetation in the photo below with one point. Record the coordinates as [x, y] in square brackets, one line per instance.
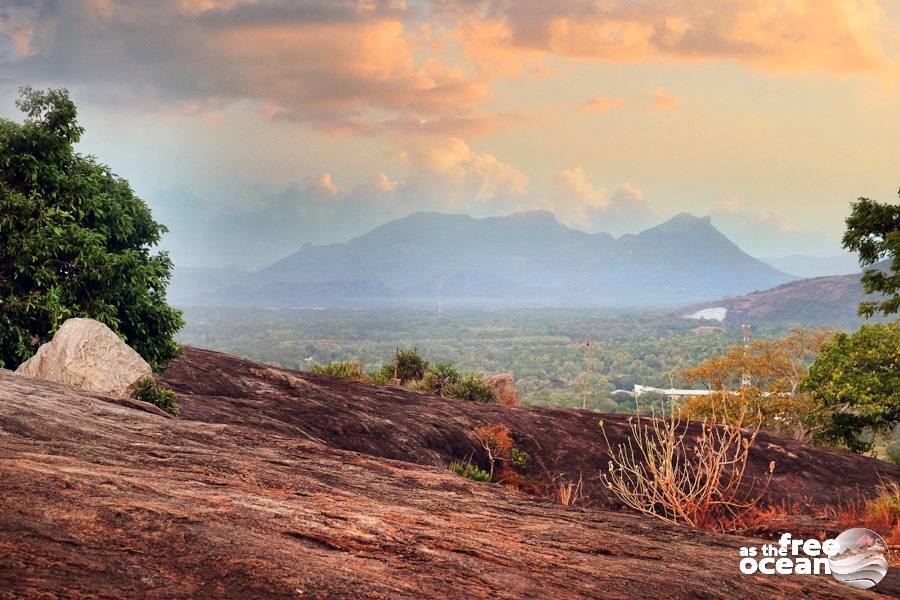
[873, 230]
[344, 369]
[543, 348]
[472, 387]
[151, 392]
[519, 458]
[414, 371]
[408, 365]
[856, 378]
[441, 379]
[470, 471]
[74, 240]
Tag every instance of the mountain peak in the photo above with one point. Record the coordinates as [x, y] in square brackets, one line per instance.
[688, 219]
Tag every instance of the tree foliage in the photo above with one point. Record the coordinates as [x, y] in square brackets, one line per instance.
[75, 241]
[776, 368]
[856, 378]
[873, 231]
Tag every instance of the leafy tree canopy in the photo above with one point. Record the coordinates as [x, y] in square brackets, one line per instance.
[856, 380]
[776, 371]
[75, 241]
[873, 230]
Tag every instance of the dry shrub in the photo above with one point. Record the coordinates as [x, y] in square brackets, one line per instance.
[881, 514]
[496, 442]
[504, 458]
[568, 492]
[665, 472]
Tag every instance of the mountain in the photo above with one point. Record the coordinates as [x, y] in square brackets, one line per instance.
[815, 266]
[815, 302]
[282, 484]
[526, 258]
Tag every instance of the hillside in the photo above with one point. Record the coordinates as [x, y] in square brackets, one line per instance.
[816, 302]
[255, 494]
[526, 257]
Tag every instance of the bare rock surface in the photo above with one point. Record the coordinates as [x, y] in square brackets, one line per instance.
[505, 386]
[102, 500]
[411, 426]
[88, 355]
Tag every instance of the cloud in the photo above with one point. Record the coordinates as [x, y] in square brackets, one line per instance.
[580, 204]
[663, 100]
[467, 177]
[832, 36]
[329, 63]
[603, 103]
[323, 184]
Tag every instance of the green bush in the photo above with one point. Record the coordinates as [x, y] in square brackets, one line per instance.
[407, 364]
[149, 391]
[440, 378]
[470, 471]
[344, 369]
[472, 387]
[410, 364]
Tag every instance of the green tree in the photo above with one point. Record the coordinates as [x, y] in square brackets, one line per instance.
[873, 231]
[75, 241]
[856, 381]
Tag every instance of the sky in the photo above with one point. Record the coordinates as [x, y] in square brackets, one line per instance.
[254, 126]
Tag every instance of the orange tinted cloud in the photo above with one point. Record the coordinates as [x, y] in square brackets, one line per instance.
[663, 100]
[838, 36]
[337, 63]
[603, 103]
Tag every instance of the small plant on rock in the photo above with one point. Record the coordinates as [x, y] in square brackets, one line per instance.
[470, 471]
[440, 379]
[147, 390]
[472, 387]
[344, 369]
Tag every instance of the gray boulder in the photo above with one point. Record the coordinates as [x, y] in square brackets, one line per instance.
[88, 355]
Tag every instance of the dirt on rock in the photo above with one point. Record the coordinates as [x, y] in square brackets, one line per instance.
[288, 485]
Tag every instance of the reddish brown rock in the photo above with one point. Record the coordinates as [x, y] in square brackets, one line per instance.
[505, 386]
[407, 425]
[102, 500]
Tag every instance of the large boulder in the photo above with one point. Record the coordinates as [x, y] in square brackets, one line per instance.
[88, 355]
[505, 386]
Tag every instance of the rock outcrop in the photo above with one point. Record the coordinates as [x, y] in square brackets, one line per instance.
[101, 500]
[88, 355]
[406, 425]
[505, 386]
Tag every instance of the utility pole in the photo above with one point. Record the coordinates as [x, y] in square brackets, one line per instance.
[587, 374]
[745, 377]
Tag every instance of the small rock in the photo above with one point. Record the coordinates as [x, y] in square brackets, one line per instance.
[88, 355]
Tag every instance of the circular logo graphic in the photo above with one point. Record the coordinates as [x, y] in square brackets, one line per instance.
[859, 561]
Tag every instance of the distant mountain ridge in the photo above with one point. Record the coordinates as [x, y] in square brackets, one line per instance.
[527, 257]
[814, 302]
